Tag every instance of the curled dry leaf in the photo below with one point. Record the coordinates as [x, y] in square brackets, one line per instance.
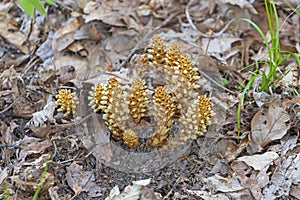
[130, 192]
[32, 145]
[80, 180]
[38, 123]
[267, 126]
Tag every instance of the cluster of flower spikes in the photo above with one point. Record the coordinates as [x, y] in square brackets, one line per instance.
[67, 102]
[118, 105]
[181, 77]
[178, 99]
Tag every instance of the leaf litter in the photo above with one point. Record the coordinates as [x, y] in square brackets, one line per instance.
[83, 43]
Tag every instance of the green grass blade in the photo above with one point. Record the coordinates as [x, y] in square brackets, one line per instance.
[38, 5]
[296, 56]
[5, 192]
[50, 2]
[242, 97]
[42, 179]
[27, 7]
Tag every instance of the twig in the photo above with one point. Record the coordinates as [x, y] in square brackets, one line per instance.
[215, 82]
[15, 145]
[288, 17]
[55, 150]
[199, 32]
[13, 103]
[32, 62]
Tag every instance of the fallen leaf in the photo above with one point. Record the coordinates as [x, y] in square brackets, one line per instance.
[207, 195]
[27, 174]
[80, 180]
[113, 13]
[286, 174]
[242, 3]
[224, 184]
[32, 145]
[258, 162]
[3, 175]
[38, 123]
[295, 191]
[268, 125]
[130, 192]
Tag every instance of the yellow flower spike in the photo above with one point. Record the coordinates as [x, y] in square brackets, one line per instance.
[130, 138]
[97, 96]
[117, 111]
[187, 70]
[196, 119]
[100, 95]
[67, 101]
[164, 106]
[173, 55]
[205, 106]
[138, 100]
[155, 56]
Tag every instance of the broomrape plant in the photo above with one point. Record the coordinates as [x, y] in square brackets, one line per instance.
[177, 99]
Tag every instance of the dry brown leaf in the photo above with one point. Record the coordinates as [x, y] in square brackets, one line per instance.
[79, 63]
[3, 175]
[130, 192]
[7, 136]
[80, 180]
[38, 123]
[27, 175]
[268, 125]
[8, 78]
[65, 35]
[12, 34]
[241, 3]
[207, 195]
[259, 161]
[224, 184]
[32, 145]
[112, 13]
[286, 174]
[295, 191]
[23, 108]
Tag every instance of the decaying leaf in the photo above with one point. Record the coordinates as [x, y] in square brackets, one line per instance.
[258, 162]
[32, 145]
[28, 174]
[3, 174]
[286, 174]
[38, 122]
[80, 180]
[130, 192]
[207, 195]
[224, 184]
[269, 125]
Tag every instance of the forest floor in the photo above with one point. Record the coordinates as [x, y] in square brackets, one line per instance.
[81, 43]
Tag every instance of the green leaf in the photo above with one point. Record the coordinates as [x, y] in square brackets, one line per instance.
[38, 5]
[50, 2]
[27, 7]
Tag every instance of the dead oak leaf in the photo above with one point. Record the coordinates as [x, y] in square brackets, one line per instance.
[268, 125]
[116, 14]
[80, 180]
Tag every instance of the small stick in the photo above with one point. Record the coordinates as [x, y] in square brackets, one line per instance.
[196, 29]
